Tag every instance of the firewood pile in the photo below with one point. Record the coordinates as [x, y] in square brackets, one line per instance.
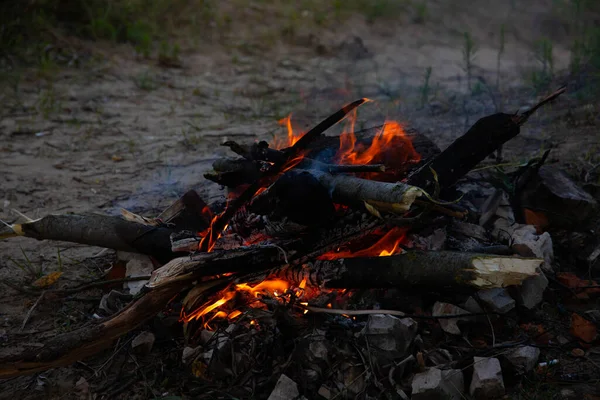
[294, 285]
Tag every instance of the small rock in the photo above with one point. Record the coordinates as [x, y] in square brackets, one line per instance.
[469, 230]
[497, 299]
[390, 333]
[527, 243]
[325, 392]
[593, 314]
[439, 356]
[566, 205]
[449, 325]
[568, 394]
[437, 240]
[524, 358]
[472, 306]
[142, 344]
[531, 291]
[438, 384]
[82, 388]
[113, 301]
[140, 265]
[206, 336]
[487, 382]
[352, 379]
[190, 354]
[285, 389]
[318, 351]
[490, 206]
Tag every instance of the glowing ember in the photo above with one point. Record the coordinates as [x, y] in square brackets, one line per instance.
[388, 245]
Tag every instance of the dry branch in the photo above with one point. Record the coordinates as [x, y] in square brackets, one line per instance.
[482, 139]
[70, 347]
[98, 230]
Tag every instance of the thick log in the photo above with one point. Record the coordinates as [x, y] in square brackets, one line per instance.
[436, 271]
[243, 259]
[98, 230]
[481, 140]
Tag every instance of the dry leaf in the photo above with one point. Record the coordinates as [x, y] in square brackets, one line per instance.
[537, 332]
[583, 329]
[536, 218]
[572, 281]
[47, 280]
[199, 369]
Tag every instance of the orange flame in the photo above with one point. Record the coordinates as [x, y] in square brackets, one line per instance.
[275, 286]
[388, 245]
[291, 138]
[271, 287]
[391, 135]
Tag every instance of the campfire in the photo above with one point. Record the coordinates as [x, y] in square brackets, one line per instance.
[310, 224]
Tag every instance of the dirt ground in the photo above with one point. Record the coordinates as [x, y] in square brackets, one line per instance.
[124, 132]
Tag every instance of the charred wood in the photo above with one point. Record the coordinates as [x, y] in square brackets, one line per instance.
[99, 230]
[235, 172]
[481, 140]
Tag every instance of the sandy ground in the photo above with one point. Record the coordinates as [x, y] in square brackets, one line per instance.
[125, 132]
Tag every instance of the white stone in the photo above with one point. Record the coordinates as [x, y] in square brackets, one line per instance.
[318, 350]
[531, 291]
[190, 354]
[497, 299]
[390, 333]
[487, 382]
[142, 344]
[138, 265]
[524, 358]
[471, 305]
[285, 389]
[527, 243]
[436, 384]
[449, 325]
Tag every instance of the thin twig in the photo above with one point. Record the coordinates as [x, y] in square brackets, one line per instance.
[397, 313]
[31, 310]
[30, 290]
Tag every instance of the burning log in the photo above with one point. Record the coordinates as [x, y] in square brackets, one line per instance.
[307, 196]
[443, 270]
[98, 230]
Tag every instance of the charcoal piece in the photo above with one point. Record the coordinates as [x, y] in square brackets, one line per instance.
[302, 199]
